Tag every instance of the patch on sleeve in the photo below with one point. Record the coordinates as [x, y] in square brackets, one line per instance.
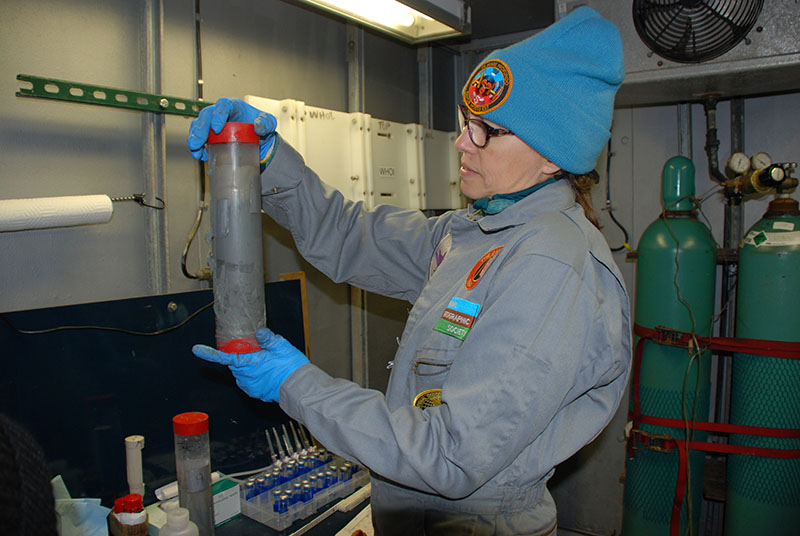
[445, 244]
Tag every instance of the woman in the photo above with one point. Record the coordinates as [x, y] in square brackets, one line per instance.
[516, 351]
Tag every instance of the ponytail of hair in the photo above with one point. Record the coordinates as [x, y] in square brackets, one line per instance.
[582, 186]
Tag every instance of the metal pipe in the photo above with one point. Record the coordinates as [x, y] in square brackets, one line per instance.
[154, 148]
[685, 130]
[358, 297]
[355, 68]
[425, 69]
[732, 235]
[712, 143]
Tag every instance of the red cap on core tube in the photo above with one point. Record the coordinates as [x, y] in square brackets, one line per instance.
[190, 424]
[234, 132]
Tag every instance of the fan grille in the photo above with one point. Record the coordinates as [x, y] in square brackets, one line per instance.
[694, 31]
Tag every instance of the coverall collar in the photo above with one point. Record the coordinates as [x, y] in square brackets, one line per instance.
[553, 197]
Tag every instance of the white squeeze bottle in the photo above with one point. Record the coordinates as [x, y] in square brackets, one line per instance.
[178, 524]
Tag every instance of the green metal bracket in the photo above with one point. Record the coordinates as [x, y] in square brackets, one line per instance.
[49, 88]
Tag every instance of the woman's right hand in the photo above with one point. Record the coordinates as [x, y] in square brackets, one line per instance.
[215, 116]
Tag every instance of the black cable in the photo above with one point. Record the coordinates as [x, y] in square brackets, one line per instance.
[104, 328]
[626, 243]
[201, 165]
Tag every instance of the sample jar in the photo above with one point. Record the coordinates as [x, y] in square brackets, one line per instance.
[193, 466]
[233, 174]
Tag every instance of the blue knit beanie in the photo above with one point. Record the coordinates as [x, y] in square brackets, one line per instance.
[555, 90]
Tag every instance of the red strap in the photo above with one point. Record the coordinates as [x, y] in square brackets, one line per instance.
[664, 335]
[680, 490]
[721, 428]
[681, 480]
[661, 335]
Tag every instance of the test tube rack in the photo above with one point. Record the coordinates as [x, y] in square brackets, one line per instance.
[279, 504]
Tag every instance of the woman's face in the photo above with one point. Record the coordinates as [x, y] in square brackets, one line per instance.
[505, 165]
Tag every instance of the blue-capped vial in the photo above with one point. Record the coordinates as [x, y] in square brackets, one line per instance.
[283, 504]
[277, 478]
[312, 481]
[308, 494]
[346, 472]
[261, 484]
[249, 490]
[329, 479]
[276, 497]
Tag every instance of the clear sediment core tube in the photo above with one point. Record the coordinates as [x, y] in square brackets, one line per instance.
[233, 173]
[193, 468]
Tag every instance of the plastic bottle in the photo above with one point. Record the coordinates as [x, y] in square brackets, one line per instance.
[233, 174]
[193, 465]
[128, 517]
[132, 510]
[179, 524]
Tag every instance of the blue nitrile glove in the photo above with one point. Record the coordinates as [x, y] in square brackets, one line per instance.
[259, 374]
[224, 110]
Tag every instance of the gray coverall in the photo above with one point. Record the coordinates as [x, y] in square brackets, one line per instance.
[539, 373]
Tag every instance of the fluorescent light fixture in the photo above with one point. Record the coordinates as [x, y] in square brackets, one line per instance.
[413, 21]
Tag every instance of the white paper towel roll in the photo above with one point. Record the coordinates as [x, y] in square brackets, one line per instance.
[45, 212]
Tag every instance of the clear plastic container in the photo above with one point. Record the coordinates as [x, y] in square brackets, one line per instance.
[193, 465]
[238, 266]
[278, 499]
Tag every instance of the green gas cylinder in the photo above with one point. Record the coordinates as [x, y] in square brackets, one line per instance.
[764, 493]
[675, 286]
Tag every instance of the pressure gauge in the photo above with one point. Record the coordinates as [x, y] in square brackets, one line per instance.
[738, 164]
[760, 161]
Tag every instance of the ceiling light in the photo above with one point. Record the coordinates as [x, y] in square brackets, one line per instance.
[413, 21]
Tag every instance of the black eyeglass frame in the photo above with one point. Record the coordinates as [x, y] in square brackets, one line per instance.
[490, 130]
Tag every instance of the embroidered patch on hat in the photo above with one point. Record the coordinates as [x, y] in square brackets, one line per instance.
[458, 318]
[489, 87]
[480, 268]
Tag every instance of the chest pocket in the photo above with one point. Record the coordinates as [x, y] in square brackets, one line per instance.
[431, 368]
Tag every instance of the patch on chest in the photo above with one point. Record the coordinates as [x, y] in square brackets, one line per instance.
[458, 318]
[428, 399]
[480, 268]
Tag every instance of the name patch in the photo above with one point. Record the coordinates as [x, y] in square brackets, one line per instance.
[458, 318]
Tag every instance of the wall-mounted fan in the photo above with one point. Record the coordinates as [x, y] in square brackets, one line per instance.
[694, 31]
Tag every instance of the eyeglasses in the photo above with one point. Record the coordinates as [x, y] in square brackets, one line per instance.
[479, 130]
